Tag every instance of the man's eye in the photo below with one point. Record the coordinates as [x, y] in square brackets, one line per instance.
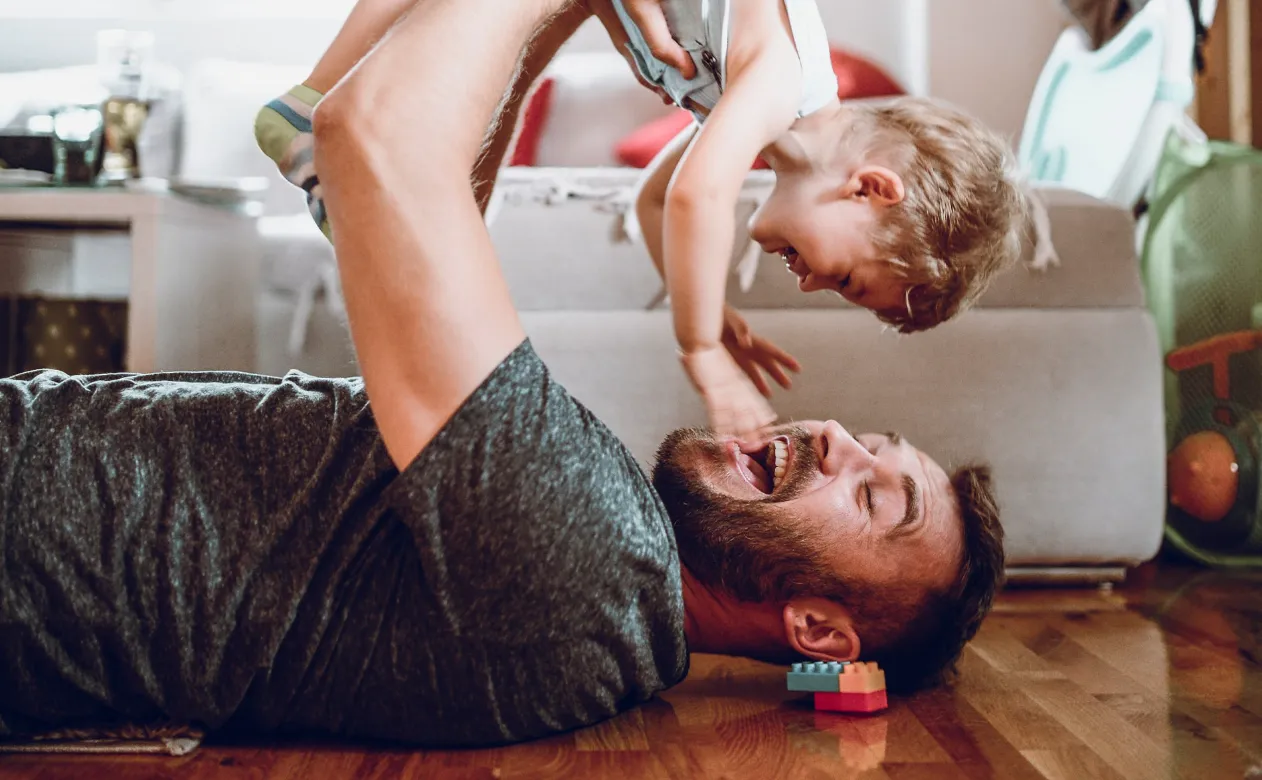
[845, 282]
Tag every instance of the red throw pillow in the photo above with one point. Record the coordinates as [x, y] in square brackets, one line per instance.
[640, 147]
[534, 119]
[859, 78]
[856, 78]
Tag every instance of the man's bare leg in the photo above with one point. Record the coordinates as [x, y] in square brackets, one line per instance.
[430, 312]
[502, 134]
[367, 24]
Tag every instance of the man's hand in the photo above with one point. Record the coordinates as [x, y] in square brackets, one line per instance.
[755, 354]
[733, 405]
[651, 19]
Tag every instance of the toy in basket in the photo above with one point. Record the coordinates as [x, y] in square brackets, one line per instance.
[1213, 469]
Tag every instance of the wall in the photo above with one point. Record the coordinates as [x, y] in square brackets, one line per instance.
[984, 55]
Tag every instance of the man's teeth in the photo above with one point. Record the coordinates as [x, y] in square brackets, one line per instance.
[779, 456]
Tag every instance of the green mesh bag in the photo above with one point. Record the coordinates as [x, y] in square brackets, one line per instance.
[1202, 270]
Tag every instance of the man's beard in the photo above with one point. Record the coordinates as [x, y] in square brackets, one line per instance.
[755, 551]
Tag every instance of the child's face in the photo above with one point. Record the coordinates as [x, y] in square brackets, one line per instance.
[825, 235]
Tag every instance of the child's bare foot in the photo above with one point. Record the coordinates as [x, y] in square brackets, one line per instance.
[283, 131]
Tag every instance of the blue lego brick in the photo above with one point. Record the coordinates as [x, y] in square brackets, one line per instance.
[816, 676]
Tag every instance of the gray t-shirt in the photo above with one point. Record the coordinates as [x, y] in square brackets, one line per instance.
[239, 551]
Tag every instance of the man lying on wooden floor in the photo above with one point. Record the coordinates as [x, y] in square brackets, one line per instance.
[452, 551]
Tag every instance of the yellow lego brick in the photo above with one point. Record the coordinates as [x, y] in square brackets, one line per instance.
[861, 677]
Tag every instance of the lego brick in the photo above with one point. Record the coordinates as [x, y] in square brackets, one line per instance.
[816, 676]
[851, 702]
[861, 677]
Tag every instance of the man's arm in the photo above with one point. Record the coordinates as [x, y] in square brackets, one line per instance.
[430, 313]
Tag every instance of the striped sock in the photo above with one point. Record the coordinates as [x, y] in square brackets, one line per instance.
[283, 131]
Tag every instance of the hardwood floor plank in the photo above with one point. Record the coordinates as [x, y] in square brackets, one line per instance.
[975, 747]
[1042, 601]
[1159, 678]
[1199, 751]
[625, 732]
[907, 741]
[1073, 763]
[1129, 751]
[1197, 742]
[1087, 670]
[999, 696]
[925, 772]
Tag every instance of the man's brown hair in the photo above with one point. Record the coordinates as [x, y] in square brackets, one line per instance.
[963, 218]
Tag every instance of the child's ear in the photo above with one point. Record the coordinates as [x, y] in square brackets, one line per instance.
[878, 184]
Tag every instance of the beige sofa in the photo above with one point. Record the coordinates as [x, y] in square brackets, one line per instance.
[1054, 379]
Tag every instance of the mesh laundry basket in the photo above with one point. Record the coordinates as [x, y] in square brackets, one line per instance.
[1202, 267]
[1202, 261]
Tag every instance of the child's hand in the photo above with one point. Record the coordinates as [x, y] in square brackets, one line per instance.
[650, 18]
[755, 354]
[733, 404]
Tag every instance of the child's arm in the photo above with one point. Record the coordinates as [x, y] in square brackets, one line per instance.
[758, 106]
[650, 201]
[754, 354]
[700, 218]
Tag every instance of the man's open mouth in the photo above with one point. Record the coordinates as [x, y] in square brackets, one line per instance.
[764, 467]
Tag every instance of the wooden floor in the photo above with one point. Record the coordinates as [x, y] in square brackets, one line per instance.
[1159, 678]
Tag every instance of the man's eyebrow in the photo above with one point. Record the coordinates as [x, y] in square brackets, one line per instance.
[911, 491]
[894, 438]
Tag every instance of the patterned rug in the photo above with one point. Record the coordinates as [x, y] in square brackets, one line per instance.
[167, 740]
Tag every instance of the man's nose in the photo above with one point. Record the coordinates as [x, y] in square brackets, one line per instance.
[843, 452]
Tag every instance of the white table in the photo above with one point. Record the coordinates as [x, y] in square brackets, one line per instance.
[194, 271]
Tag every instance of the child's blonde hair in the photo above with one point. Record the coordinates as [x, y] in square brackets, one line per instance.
[963, 218]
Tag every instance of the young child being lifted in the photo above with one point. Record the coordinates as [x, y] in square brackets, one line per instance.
[907, 208]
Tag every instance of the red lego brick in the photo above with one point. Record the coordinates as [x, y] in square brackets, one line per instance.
[851, 702]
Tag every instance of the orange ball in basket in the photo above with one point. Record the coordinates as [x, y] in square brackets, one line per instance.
[1203, 476]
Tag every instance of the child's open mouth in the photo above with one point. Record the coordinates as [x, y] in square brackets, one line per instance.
[793, 261]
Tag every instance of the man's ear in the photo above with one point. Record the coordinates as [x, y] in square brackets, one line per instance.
[876, 183]
[821, 629]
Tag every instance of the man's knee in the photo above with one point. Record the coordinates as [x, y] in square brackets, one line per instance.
[344, 136]
[335, 121]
